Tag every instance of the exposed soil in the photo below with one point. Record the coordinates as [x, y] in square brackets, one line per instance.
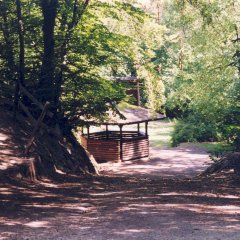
[161, 198]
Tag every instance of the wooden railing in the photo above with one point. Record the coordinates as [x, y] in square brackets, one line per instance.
[37, 123]
[115, 135]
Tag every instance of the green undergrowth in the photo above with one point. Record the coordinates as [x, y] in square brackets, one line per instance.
[215, 148]
[122, 105]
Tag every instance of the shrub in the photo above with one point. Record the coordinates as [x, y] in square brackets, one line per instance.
[194, 129]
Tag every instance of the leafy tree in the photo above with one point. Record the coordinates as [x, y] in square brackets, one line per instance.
[206, 70]
[61, 51]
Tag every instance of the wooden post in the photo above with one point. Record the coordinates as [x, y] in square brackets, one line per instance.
[146, 128]
[138, 126]
[88, 132]
[121, 143]
[107, 134]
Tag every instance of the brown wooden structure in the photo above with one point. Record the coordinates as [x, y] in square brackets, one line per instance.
[134, 89]
[118, 145]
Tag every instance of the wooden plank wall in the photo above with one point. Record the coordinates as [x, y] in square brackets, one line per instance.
[109, 150]
[102, 150]
[136, 148]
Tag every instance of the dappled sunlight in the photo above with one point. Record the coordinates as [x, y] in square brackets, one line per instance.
[109, 193]
[137, 198]
[9, 151]
[165, 163]
[199, 194]
[130, 207]
[6, 235]
[204, 208]
[37, 224]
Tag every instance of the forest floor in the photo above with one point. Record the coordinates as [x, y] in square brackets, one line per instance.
[161, 198]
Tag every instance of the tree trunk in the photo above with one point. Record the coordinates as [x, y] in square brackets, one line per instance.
[46, 83]
[229, 161]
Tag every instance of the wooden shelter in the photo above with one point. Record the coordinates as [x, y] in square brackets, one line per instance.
[120, 144]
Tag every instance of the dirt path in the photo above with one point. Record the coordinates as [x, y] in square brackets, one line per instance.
[150, 200]
[185, 161]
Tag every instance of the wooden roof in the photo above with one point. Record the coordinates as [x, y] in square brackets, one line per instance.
[130, 116]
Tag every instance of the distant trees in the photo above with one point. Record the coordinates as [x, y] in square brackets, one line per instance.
[203, 88]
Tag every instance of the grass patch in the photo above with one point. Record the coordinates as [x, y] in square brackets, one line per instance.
[122, 105]
[215, 147]
[160, 133]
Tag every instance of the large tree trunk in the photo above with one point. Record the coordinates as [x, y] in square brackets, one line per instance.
[46, 83]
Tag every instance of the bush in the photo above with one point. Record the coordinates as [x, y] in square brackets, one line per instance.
[232, 135]
[193, 129]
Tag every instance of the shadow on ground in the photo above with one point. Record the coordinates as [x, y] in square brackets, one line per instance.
[120, 208]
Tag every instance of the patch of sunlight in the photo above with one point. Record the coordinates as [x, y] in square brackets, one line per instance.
[109, 193]
[37, 224]
[6, 191]
[160, 133]
[127, 231]
[3, 137]
[136, 230]
[199, 194]
[204, 208]
[12, 223]
[3, 165]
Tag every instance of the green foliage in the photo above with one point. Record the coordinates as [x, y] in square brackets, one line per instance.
[185, 52]
[86, 49]
[200, 69]
[194, 129]
[215, 148]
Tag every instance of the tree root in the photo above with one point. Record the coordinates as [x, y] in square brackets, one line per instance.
[229, 161]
